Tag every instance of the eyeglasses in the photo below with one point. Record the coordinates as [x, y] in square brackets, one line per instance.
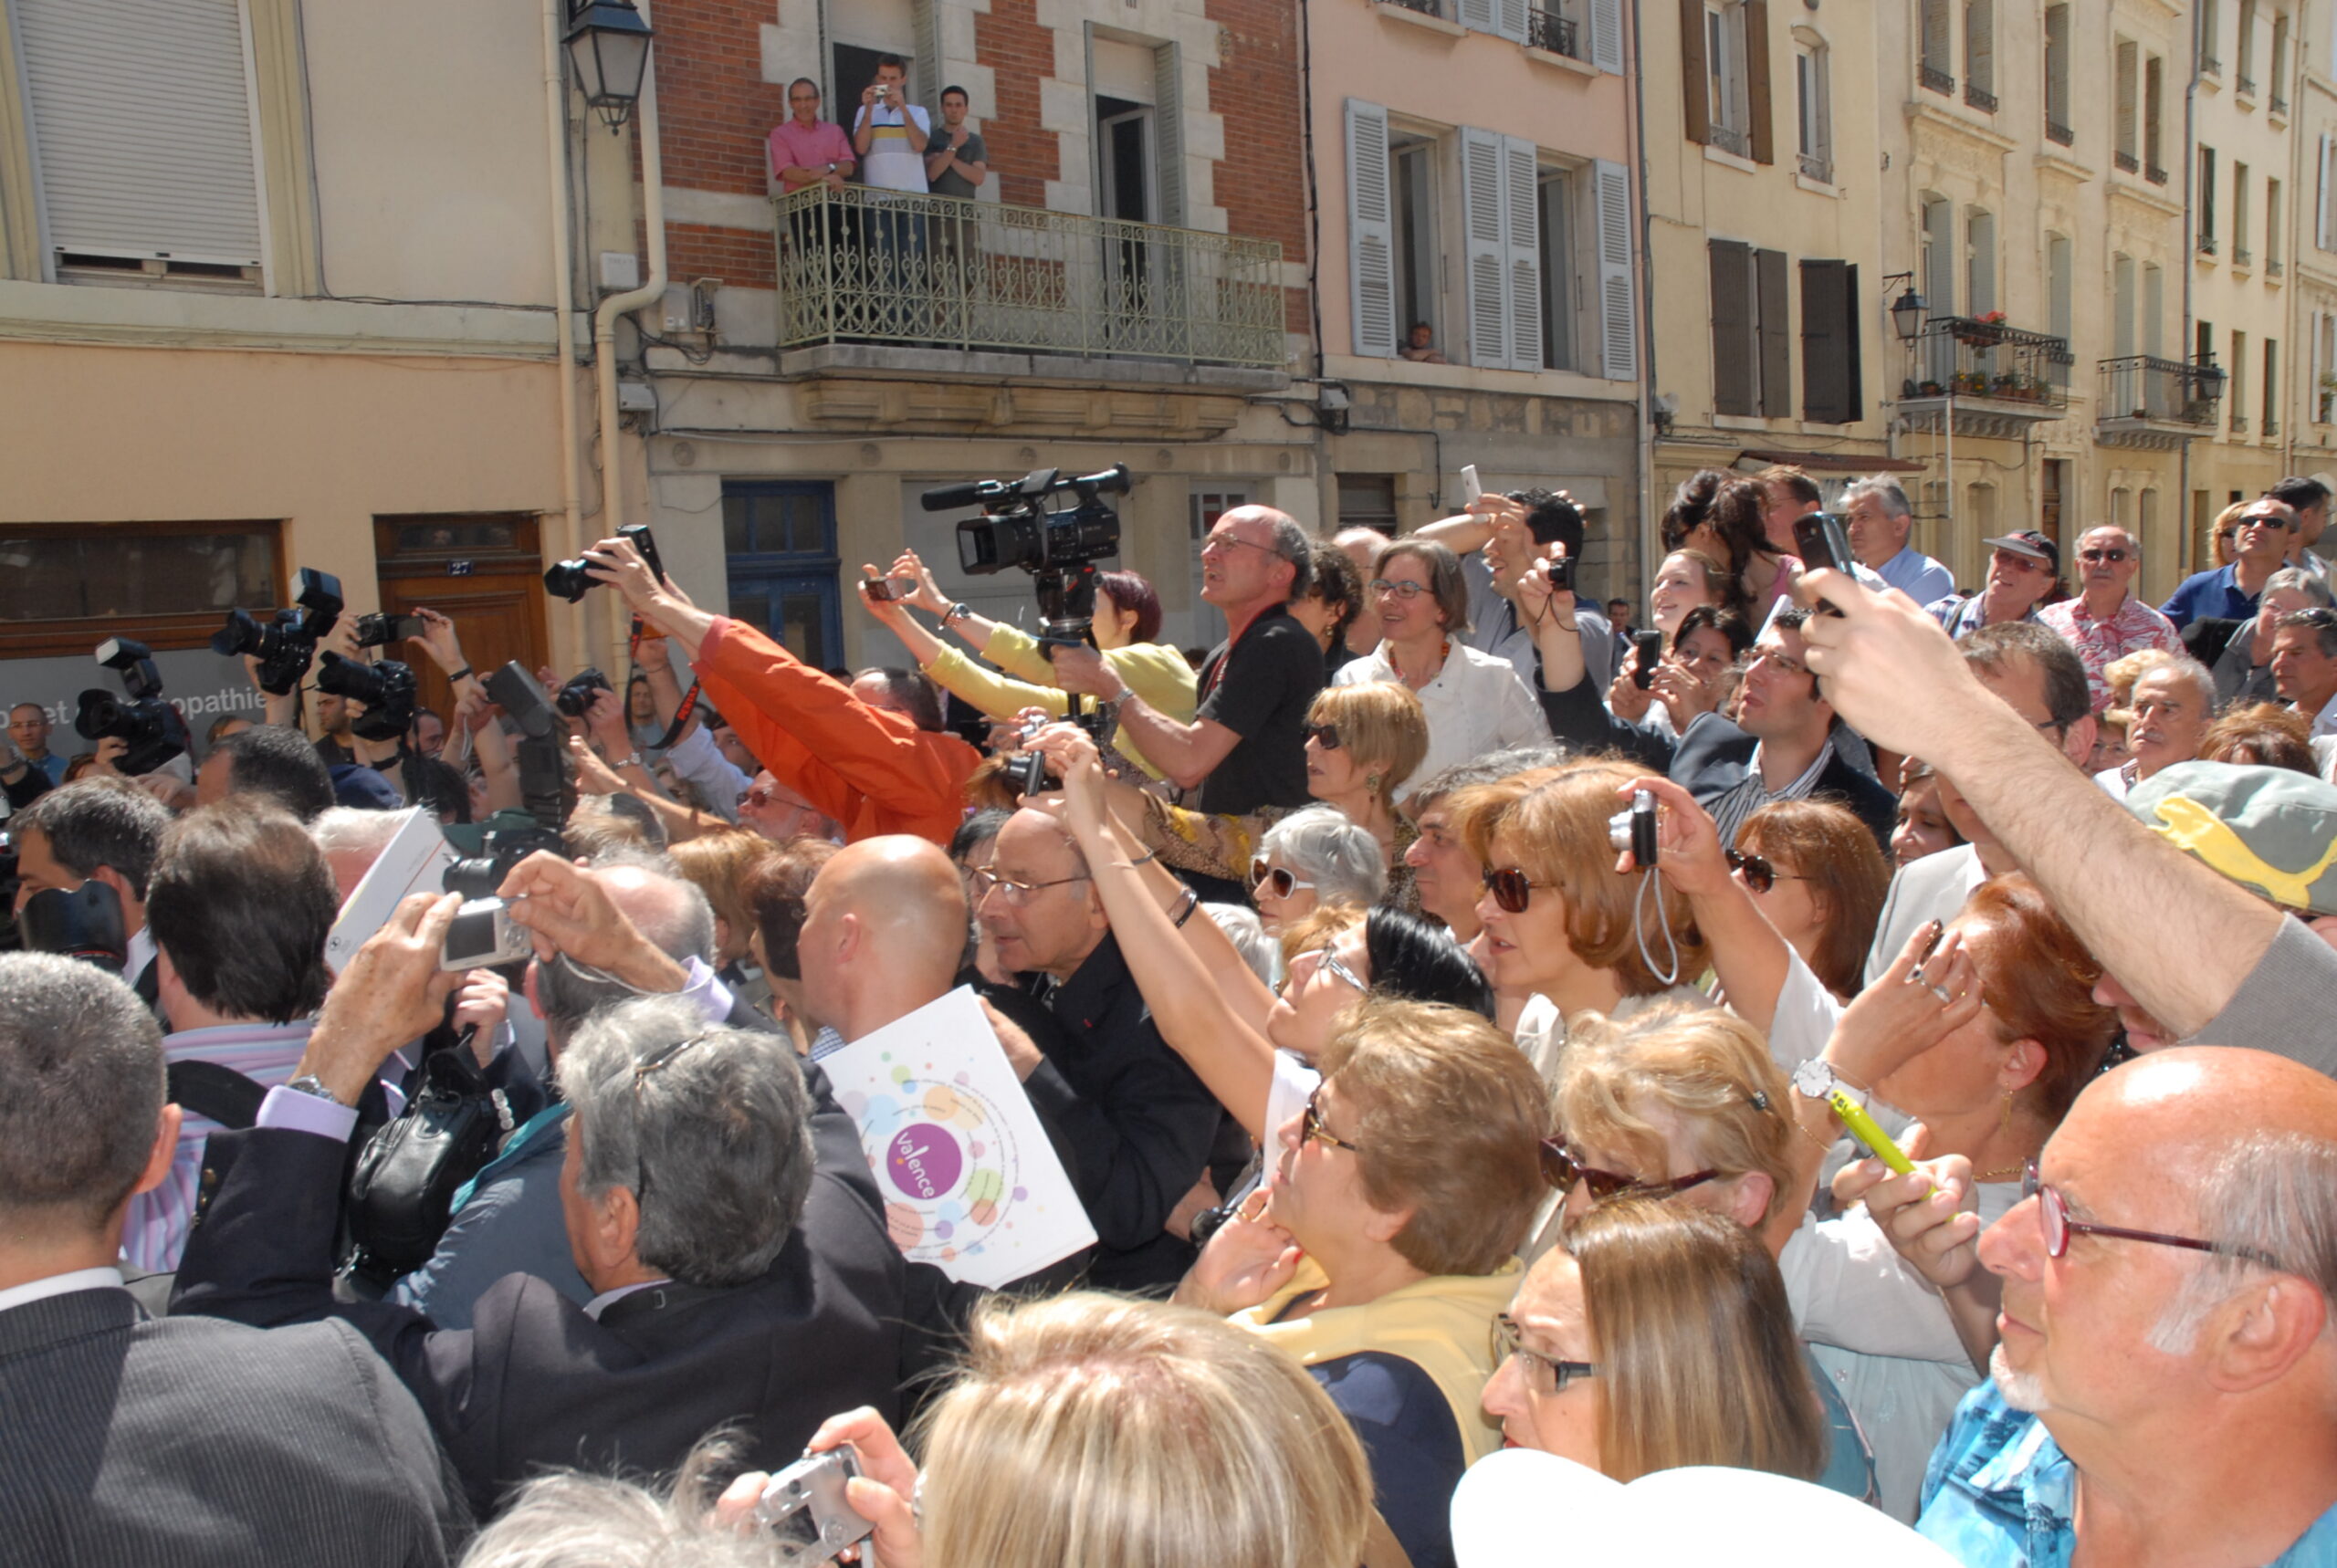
[1326, 735]
[2053, 1219]
[1406, 592]
[1310, 1125]
[1544, 1374]
[1561, 1168]
[1759, 874]
[1327, 959]
[2113, 555]
[653, 1062]
[1511, 887]
[1280, 880]
[1226, 541]
[1015, 892]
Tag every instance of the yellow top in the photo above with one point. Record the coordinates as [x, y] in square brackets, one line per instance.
[1154, 671]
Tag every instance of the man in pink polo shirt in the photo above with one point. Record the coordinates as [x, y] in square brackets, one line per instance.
[806, 150]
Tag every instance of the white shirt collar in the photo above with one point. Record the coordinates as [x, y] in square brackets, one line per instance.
[607, 1299]
[65, 1284]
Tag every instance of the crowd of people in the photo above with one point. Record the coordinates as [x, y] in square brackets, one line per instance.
[1846, 1030]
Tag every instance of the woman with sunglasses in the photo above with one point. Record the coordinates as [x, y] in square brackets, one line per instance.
[1313, 859]
[1815, 869]
[1362, 741]
[1656, 1335]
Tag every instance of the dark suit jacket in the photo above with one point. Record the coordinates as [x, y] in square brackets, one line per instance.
[536, 1382]
[133, 1441]
[1711, 759]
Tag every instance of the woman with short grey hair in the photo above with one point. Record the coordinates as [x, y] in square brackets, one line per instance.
[2243, 664]
[1314, 857]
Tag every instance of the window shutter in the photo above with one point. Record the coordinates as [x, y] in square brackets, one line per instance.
[1775, 334]
[1486, 255]
[1936, 41]
[1168, 131]
[142, 128]
[1509, 19]
[930, 76]
[1694, 94]
[1521, 180]
[1607, 35]
[1619, 343]
[1980, 43]
[1756, 80]
[1829, 342]
[1484, 15]
[1371, 232]
[2325, 225]
[1733, 366]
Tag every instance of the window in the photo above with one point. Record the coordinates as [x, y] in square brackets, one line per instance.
[2324, 223]
[2210, 32]
[2239, 382]
[2324, 369]
[1752, 332]
[143, 141]
[1367, 501]
[68, 585]
[1939, 254]
[2058, 125]
[2122, 305]
[1561, 270]
[1139, 153]
[1413, 163]
[2272, 404]
[780, 538]
[1501, 229]
[2273, 226]
[1938, 69]
[1727, 105]
[1979, 262]
[2240, 256]
[1813, 126]
[2280, 73]
[2153, 308]
[2206, 201]
[2153, 95]
[2243, 56]
[1832, 381]
[2059, 285]
[2128, 118]
[1724, 76]
[1980, 54]
[2052, 484]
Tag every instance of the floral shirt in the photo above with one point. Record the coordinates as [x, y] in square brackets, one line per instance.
[2102, 643]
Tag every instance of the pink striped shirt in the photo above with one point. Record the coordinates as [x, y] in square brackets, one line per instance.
[155, 1232]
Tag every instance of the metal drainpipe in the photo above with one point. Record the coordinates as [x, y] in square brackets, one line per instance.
[1644, 537]
[563, 301]
[2183, 553]
[604, 321]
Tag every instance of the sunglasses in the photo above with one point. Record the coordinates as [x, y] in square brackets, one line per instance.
[1561, 1169]
[1310, 1125]
[1544, 1374]
[2113, 555]
[1326, 735]
[2053, 1219]
[1511, 887]
[1759, 874]
[2266, 519]
[1279, 881]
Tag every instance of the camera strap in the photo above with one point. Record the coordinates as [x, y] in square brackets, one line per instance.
[689, 698]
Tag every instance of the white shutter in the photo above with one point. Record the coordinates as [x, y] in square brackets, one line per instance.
[1509, 19]
[930, 72]
[1521, 196]
[1487, 252]
[1169, 132]
[142, 128]
[1607, 35]
[1481, 15]
[1371, 232]
[1618, 340]
[2325, 232]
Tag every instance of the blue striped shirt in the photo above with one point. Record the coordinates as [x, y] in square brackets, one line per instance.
[155, 1232]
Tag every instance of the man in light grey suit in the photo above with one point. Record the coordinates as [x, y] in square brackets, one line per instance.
[130, 1441]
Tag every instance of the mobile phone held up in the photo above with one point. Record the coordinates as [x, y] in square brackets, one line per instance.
[1471, 488]
[888, 589]
[1648, 648]
[1822, 541]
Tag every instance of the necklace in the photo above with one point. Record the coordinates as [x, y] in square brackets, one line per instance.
[2006, 1173]
[1444, 651]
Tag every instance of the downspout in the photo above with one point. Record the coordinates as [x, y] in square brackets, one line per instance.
[2184, 557]
[604, 319]
[1646, 443]
[563, 285]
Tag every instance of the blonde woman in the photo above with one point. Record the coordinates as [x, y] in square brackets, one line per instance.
[722, 865]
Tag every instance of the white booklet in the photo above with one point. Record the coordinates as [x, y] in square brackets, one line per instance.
[413, 860]
[969, 1182]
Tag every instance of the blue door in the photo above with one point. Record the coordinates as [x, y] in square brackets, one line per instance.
[781, 538]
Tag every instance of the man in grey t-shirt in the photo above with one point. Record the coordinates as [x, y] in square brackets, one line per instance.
[956, 161]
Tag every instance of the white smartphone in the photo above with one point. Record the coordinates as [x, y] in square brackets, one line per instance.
[1470, 488]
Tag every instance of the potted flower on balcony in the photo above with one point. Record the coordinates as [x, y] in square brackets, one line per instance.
[1971, 383]
[1932, 389]
[2009, 384]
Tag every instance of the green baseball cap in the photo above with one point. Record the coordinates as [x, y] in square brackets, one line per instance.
[2272, 830]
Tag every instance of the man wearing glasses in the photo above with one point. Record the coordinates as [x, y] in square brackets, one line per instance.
[2265, 530]
[2106, 622]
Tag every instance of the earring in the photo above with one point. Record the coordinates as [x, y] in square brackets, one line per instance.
[1371, 782]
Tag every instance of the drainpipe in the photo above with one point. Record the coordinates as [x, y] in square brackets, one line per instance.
[604, 321]
[1641, 543]
[2183, 551]
[563, 285]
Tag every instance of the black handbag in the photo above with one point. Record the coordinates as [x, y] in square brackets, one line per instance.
[400, 1194]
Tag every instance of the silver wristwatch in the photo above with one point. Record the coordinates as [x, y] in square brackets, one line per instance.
[310, 1083]
[1816, 1079]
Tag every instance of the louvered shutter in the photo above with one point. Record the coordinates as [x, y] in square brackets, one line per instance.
[1829, 342]
[1520, 180]
[1484, 15]
[1757, 96]
[1733, 366]
[1371, 231]
[931, 75]
[1696, 92]
[1486, 253]
[1937, 36]
[1776, 335]
[2325, 235]
[1168, 131]
[1619, 343]
[1980, 45]
[1607, 35]
[142, 128]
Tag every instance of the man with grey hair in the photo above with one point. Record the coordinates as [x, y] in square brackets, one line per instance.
[1881, 524]
[129, 1441]
[2104, 622]
[1448, 878]
[2160, 1301]
[715, 1201]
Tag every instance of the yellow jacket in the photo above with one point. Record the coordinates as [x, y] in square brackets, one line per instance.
[1154, 671]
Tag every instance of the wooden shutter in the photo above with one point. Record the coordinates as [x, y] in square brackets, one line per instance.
[1938, 38]
[1509, 19]
[1486, 253]
[1619, 343]
[1607, 35]
[1694, 93]
[142, 128]
[931, 73]
[1829, 342]
[1775, 334]
[1169, 128]
[1980, 45]
[1371, 231]
[1756, 80]
[1521, 236]
[2325, 226]
[1732, 308]
[1484, 15]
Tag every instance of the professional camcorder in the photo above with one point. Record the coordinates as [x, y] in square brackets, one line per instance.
[572, 579]
[386, 689]
[1058, 549]
[286, 641]
[151, 727]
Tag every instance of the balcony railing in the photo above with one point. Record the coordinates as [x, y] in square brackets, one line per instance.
[2154, 175]
[2210, 66]
[1959, 357]
[879, 266]
[2280, 104]
[1936, 80]
[2272, 267]
[1817, 166]
[2065, 134]
[2242, 256]
[1730, 139]
[2144, 388]
[1549, 31]
[2207, 245]
[1425, 7]
[2127, 163]
[1981, 99]
[2239, 424]
[2271, 426]
[2247, 86]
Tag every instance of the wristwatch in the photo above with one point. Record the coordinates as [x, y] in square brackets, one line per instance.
[310, 1083]
[631, 759]
[832, 166]
[1816, 1079]
[957, 611]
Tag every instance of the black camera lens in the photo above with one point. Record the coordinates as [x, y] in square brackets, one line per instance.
[381, 630]
[570, 580]
[576, 696]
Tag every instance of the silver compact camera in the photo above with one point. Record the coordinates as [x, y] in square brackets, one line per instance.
[483, 935]
[1634, 829]
[803, 1508]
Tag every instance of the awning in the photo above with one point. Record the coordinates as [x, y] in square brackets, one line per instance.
[1832, 461]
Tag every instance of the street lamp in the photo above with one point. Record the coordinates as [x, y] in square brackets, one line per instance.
[1907, 310]
[2208, 377]
[609, 44]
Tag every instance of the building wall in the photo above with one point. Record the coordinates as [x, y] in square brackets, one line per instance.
[2312, 250]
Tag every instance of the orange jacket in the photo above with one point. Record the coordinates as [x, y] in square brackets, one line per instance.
[872, 771]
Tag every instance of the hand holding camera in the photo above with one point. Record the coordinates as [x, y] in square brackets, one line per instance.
[926, 593]
[566, 911]
[1686, 843]
[392, 991]
[856, 1481]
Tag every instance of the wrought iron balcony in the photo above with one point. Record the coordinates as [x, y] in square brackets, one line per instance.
[1997, 379]
[1549, 31]
[2280, 104]
[880, 266]
[1980, 98]
[2210, 66]
[2239, 424]
[2153, 402]
[2154, 175]
[1936, 80]
[2065, 134]
[1728, 139]
[1817, 166]
[2272, 267]
[1425, 7]
[2247, 86]
[2207, 245]
[2127, 163]
[2242, 256]
[2271, 427]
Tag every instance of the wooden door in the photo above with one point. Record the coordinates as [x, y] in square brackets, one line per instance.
[483, 571]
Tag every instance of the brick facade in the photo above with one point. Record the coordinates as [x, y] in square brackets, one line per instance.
[1009, 38]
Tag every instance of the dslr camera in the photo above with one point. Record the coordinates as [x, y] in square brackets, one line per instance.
[572, 579]
[1058, 549]
[577, 694]
[286, 642]
[381, 630]
[386, 689]
[151, 727]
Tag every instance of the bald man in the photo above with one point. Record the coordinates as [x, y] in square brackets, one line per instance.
[884, 926]
[2165, 1316]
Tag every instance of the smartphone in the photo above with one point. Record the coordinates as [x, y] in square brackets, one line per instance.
[1470, 486]
[1821, 541]
[803, 1510]
[887, 589]
[1868, 1131]
[482, 935]
[1650, 645]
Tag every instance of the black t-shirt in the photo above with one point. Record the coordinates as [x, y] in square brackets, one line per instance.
[1260, 688]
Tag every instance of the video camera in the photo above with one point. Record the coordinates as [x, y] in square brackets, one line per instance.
[572, 579]
[286, 641]
[1058, 549]
[151, 727]
[386, 689]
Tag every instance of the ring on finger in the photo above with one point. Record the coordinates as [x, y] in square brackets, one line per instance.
[1940, 992]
